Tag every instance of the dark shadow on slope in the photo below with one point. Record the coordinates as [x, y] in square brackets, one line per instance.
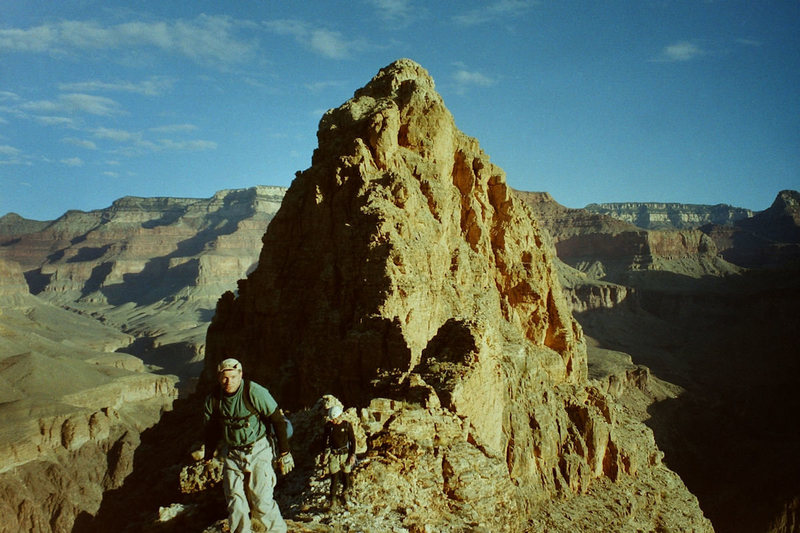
[158, 280]
[37, 281]
[167, 218]
[56, 256]
[98, 275]
[154, 283]
[177, 358]
[732, 436]
[155, 480]
[89, 253]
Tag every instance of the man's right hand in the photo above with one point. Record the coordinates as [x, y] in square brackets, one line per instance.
[286, 463]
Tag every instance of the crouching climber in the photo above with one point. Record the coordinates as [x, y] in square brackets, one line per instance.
[339, 454]
[240, 416]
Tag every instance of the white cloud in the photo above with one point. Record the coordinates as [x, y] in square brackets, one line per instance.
[493, 11]
[8, 150]
[680, 51]
[137, 143]
[188, 146]
[464, 79]
[749, 42]
[54, 121]
[74, 103]
[89, 145]
[73, 162]
[117, 135]
[111, 174]
[331, 44]
[153, 87]
[320, 86]
[399, 12]
[174, 128]
[205, 39]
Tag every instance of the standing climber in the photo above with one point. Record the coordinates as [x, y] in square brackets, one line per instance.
[339, 444]
[240, 416]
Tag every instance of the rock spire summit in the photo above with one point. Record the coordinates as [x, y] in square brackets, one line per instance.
[400, 225]
[402, 275]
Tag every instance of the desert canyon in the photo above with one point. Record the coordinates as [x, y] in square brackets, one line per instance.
[509, 364]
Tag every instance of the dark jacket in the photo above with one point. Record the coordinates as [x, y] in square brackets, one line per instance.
[339, 438]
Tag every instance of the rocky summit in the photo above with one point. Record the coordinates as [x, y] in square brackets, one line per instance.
[403, 276]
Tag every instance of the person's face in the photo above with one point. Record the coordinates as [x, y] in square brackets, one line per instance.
[230, 380]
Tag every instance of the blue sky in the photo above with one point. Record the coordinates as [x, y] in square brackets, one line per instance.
[636, 100]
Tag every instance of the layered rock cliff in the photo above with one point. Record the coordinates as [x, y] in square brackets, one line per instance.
[140, 277]
[654, 215]
[612, 251]
[402, 265]
[71, 409]
[153, 267]
[721, 336]
[770, 238]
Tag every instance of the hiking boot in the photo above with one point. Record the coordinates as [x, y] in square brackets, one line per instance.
[333, 503]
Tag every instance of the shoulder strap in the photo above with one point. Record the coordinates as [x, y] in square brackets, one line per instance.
[248, 402]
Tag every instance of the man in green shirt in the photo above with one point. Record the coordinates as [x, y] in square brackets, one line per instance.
[238, 416]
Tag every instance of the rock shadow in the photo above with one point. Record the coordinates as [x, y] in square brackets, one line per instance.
[164, 276]
[37, 281]
[154, 481]
[732, 347]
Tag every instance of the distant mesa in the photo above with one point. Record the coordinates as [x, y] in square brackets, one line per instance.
[653, 215]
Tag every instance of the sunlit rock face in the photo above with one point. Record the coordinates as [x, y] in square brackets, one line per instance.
[400, 225]
[402, 265]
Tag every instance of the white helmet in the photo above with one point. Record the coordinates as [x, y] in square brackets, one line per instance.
[334, 412]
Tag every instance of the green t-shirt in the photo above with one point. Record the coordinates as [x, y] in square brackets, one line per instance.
[240, 427]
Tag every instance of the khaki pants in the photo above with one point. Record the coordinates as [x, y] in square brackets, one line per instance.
[339, 472]
[248, 480]
[338, 462]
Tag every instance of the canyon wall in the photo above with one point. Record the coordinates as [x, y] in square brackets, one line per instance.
[655, 215]
[71, 409]
[151, 267]
[700, 349]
